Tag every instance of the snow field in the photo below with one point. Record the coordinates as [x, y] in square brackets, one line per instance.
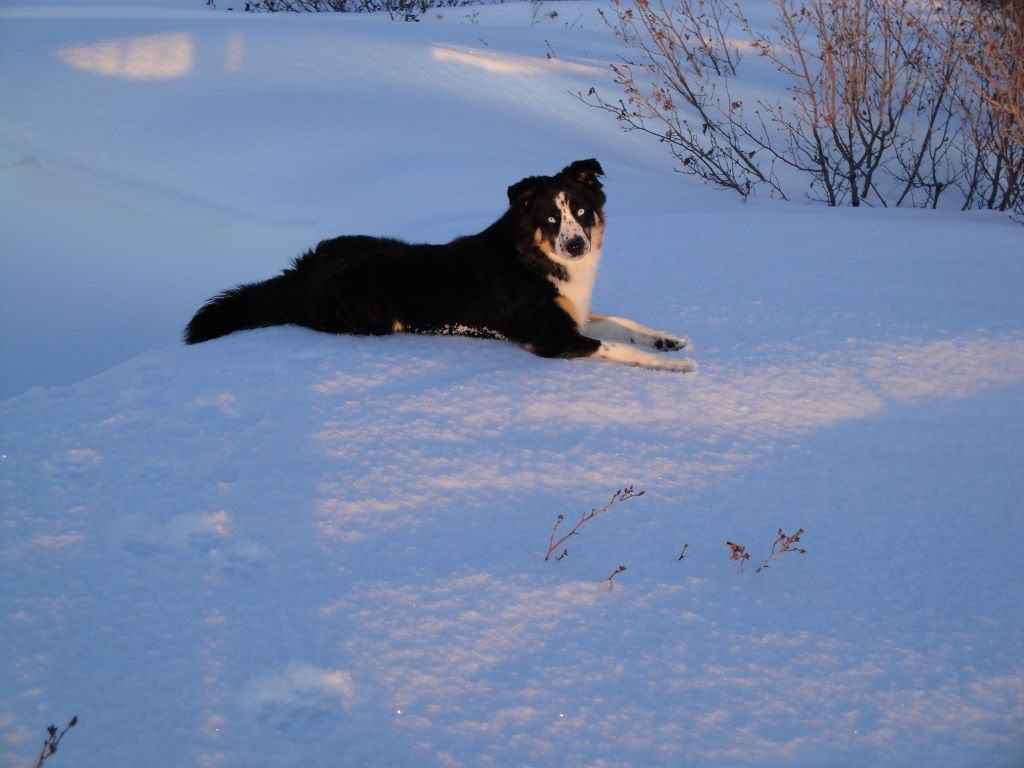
[284, 548]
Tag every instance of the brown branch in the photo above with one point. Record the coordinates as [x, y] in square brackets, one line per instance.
[738, 552]
[615, 573]
[53, 740]
[623, 494]
[781, 546]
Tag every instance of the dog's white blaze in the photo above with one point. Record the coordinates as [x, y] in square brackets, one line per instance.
[570, 228]
[582, 270]
[615, 352]
[579, 288]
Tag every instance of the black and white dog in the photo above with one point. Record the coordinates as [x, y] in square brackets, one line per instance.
[528, 277]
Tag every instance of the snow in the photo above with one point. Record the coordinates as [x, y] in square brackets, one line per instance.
[284, 548]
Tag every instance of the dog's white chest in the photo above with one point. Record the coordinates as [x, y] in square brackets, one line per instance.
[575, 293]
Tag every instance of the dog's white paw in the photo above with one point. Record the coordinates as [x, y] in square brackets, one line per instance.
[624, 353]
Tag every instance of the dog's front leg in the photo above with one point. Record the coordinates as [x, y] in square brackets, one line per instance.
[550, 331]
[627, 331]
[617, 352]
[611, 351]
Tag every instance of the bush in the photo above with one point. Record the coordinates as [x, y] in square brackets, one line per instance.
[406, 10]
[891, 102]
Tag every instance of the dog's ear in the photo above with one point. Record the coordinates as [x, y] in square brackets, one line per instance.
[585, 172]
[521, 194]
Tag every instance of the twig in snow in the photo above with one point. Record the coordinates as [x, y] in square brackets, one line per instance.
[617, 571]
[739, 552]
[53, 739]
[620, 495]
[781, 545]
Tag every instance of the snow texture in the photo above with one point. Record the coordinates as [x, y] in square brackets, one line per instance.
[283, 548]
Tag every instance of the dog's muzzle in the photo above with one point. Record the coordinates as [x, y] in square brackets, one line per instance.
[575, 247]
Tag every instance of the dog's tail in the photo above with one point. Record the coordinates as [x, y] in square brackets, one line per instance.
[254, 305]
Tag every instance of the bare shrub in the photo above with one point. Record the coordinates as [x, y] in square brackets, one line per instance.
[996, 57]
[855, 69]
[992, 104]
[890, 102]
[406, 10]
[677, 88]
[928, 157]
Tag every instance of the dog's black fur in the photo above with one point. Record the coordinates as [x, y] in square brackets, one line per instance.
[497, 282]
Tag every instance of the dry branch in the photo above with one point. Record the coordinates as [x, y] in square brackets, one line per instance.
[738, 552]
[53, 739]
[616, 572]
[620, 495]
[781, 546]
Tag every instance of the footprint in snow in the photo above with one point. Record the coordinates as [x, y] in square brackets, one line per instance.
[299, 696]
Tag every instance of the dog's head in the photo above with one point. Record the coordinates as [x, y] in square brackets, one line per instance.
[560, 216]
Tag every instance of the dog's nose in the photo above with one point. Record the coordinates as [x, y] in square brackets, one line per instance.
[576, 246]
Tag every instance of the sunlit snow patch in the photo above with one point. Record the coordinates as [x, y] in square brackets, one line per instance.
[508, 63]
[150, 57]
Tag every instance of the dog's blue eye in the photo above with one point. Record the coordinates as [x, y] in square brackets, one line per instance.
[551, 220]
[580, 212]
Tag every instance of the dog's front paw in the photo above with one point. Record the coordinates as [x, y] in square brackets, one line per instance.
[671, 343]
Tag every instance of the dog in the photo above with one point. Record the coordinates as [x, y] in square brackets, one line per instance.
[527, 278]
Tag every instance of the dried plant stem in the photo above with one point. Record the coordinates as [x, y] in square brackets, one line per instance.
[53, 739]
[738, 552]
[611, 577]
[619, 496]
[781, 545]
